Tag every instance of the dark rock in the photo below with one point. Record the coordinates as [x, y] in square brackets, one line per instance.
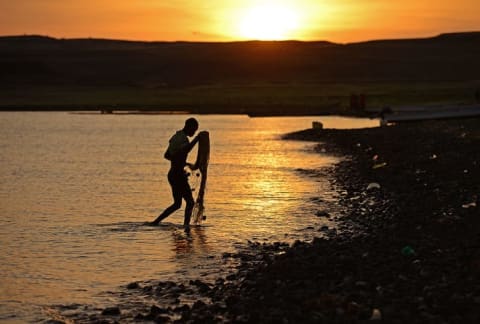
[162, 319]
[322, 213]
[111, 311]
[133, 285]
[155, 311]
[181, 309]
[202, 286]
[198, 304]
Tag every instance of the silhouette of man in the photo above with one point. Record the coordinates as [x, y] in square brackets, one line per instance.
[177, 152]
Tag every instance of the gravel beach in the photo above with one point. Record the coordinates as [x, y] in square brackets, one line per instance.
[407, 248]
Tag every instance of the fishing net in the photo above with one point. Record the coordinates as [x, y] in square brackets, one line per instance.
[198, 177]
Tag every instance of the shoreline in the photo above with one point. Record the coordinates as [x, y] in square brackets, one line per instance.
[408, 249]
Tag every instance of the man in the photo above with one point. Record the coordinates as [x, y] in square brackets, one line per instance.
[178, 149]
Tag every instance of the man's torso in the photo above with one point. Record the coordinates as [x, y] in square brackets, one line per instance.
[178, 150]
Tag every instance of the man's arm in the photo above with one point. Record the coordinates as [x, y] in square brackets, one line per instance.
[190, 146]
[184, 150]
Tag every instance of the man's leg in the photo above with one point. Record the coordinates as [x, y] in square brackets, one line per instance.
[187, 195]
[188, 212]
[177, 203]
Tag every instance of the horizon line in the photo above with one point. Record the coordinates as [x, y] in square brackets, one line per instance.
[242, 40]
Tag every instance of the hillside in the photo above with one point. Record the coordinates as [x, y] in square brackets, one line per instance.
[28, 62]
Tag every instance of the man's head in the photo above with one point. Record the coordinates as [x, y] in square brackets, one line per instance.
[191, 126]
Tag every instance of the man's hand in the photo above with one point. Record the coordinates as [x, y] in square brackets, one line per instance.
[197, 138]
[192, 166]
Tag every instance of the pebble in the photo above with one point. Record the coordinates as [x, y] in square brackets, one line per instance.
[322, 213]
[111, 311]
[133, 285]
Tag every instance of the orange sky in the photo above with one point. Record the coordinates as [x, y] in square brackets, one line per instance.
[225, 20]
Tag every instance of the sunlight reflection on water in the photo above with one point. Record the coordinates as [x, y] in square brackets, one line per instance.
[76, 189]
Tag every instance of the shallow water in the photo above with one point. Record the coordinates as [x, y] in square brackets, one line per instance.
[76, 190]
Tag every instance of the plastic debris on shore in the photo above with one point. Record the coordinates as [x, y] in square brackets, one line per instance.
[379, 165]
[376, 315]
[373, 185]
[473, 204]
[408, 251]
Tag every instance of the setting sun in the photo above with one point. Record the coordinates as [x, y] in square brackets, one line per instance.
[268, 22]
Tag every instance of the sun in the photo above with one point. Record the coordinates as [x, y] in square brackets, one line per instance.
[269, 22]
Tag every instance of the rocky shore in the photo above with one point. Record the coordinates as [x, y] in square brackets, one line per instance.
[408, 248]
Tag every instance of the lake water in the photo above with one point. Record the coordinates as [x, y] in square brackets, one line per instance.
[76, 190]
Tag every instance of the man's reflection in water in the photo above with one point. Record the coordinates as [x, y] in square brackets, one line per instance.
[192, 242]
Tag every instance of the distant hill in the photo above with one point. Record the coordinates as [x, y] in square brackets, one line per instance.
[37, 60]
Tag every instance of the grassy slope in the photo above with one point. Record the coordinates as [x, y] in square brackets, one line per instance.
[321, 98]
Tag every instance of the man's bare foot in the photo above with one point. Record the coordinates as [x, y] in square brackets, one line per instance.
[151, 223]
